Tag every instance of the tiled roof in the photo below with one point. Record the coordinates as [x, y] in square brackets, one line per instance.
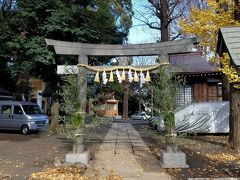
[230, 37]
[192, 63]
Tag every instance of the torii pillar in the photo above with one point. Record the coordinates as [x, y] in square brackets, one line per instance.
[82, 83]
[83, 50]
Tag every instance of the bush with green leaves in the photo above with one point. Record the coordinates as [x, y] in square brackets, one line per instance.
[69, 94]
[165, 93]
[69, 105]
[76, 121]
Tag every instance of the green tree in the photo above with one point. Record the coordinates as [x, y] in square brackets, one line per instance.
[25, 24]
[165, 93]
[6, 12]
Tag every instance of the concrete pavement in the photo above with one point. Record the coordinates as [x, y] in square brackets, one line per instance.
[124, 152]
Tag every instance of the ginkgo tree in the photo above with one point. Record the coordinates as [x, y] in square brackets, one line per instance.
[205, 23]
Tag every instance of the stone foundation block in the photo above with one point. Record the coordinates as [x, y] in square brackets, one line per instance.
[83, 157]
[173, 159]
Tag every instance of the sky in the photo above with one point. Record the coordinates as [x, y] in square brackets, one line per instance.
[139, 33]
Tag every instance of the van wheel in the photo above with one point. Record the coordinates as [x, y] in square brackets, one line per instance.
[25, 129]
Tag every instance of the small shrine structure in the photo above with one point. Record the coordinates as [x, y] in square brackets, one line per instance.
[109, 108]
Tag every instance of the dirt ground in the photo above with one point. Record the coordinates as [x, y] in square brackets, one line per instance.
[207, 155]
[22, 155]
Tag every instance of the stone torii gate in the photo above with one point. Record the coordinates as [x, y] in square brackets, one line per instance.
[84, 50]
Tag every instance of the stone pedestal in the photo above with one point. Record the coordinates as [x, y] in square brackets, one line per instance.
[83, 157]
[170, 159]
[78, 154]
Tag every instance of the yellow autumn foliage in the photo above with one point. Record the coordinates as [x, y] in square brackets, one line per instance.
[231, 72]
[205, 23]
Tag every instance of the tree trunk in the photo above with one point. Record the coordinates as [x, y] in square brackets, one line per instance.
[140, 100]
[152, 113]
[234, 123]
[123, 61]
[225, 88]
[54, 112]
[22, 85]
[125, 99]
[236, 12]
[164, 21]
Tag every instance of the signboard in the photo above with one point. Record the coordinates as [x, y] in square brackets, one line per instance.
[64, 69]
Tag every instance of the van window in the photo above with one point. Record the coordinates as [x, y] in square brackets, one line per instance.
[32, 109]
[6, 109]
[17, 110]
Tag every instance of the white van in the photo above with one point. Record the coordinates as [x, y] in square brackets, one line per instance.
[21, 115]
